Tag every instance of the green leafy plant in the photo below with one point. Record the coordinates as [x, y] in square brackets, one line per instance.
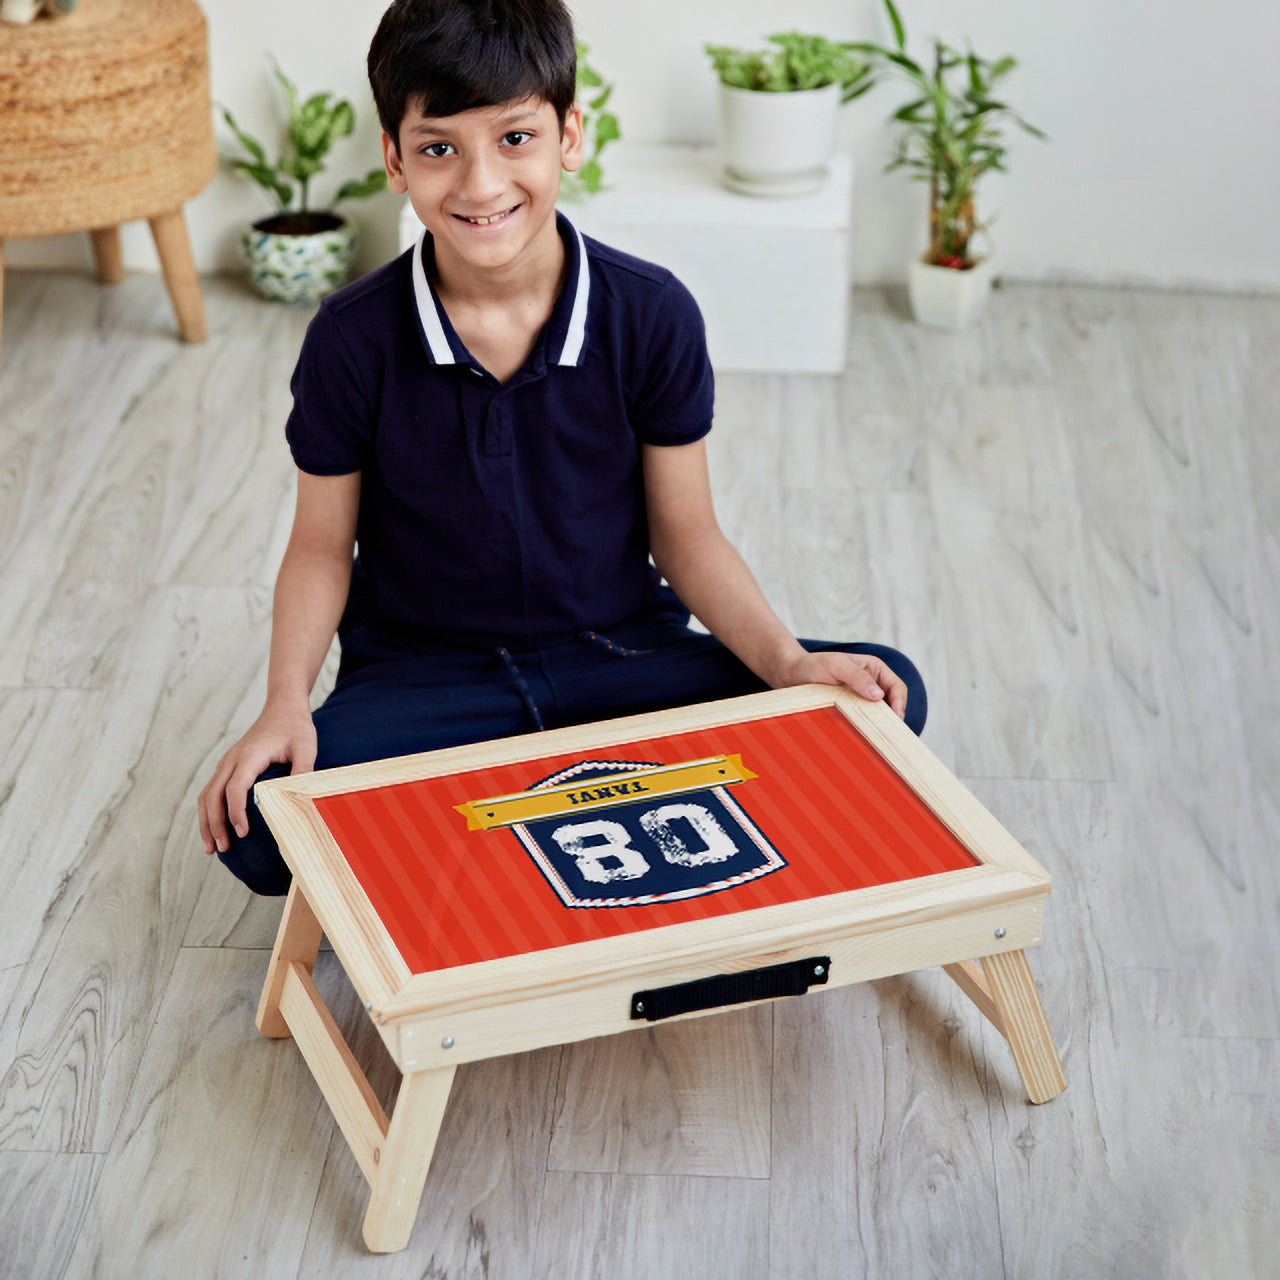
[599, 128]
[798, 62]
[314, 125]
[951, 134]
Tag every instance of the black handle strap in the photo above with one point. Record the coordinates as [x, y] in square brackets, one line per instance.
[791, 979]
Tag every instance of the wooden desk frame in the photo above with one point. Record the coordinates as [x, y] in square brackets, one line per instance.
[976, 923]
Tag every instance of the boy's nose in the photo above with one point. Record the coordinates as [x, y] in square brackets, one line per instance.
[482, 181]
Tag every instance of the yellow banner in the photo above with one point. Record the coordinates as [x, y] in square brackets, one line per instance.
[603, 792]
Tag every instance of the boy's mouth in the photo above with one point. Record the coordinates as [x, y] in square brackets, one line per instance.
[489, 220]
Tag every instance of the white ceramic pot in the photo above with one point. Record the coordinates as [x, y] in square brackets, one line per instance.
[297, 268]
[946, 298]
[19, 12]
[777, 144]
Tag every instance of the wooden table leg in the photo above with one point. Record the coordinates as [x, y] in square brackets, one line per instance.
[107, 254]
[406, 1157]
[1004, 990]
[169, 231]
[393, 1154]
[297, 941]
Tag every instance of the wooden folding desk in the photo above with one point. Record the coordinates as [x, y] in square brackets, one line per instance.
[548, 888]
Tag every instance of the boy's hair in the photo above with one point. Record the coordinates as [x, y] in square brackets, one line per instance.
[452, 55]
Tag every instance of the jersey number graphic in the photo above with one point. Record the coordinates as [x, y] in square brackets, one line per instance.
[686, 835]
[634, 851]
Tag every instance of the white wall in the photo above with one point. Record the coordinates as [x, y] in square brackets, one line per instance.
[1165, 124]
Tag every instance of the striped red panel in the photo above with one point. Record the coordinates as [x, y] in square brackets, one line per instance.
[838, 814]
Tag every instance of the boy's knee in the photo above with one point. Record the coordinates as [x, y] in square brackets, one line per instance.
[901, 666]
[254, 858]
[917, 696]
[917, 703]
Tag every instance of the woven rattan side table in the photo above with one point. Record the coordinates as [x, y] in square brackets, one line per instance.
[105, 118]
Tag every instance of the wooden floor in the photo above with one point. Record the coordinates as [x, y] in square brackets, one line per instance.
[1069, 516]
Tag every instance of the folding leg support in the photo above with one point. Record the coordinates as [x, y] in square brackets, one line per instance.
[297, 941]
[393, 1154]
[405, 1157]
[1004, 990]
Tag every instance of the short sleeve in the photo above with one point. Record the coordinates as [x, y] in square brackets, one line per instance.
[677, 388]
[330, 427]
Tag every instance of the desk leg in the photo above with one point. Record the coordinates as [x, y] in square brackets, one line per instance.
[1004, 990]
[394, 1155]
[405, 1158]
[107, 254]
[169, 231]
[297, 941]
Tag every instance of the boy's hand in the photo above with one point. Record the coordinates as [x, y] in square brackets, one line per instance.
[278, 736]
[866, 675]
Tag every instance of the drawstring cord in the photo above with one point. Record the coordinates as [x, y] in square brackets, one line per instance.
[603, 642]
[522, 688]
[522, 685]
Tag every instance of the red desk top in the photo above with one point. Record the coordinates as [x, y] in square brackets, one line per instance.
[544, 853]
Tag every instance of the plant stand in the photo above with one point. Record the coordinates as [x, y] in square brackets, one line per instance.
[107, 120]
[538, 890]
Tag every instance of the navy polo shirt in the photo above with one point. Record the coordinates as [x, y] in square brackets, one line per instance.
[491, 512]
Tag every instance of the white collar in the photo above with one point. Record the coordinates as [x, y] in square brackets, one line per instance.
[429, 308]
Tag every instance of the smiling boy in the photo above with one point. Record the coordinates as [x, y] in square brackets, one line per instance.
[495, 434]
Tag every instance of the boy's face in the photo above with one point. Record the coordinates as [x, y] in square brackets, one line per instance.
[484, 182]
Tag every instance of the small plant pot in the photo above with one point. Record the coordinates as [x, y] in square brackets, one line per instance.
[946, 298]
[777, 144]
[298, 257]
[19, 12]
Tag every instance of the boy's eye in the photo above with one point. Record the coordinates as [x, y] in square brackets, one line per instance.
[437, 149]
[516, 138]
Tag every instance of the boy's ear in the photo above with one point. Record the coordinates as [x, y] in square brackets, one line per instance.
[571, 140]
[395, 169]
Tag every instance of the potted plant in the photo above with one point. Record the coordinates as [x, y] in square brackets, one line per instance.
[951, 134]
[300, 254]
[778, 110]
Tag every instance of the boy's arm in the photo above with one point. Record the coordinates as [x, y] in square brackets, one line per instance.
[713, 581]
[311, 591]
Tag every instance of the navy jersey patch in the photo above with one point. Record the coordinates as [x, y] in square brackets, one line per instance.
[622, 834]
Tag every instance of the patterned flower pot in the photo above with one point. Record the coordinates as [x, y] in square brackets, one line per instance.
[298, 257]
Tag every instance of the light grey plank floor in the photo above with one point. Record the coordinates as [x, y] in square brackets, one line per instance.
[1069, 516]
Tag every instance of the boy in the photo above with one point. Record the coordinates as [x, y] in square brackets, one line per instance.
[503, 424]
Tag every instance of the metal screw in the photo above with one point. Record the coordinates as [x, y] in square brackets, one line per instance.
[818, 971]
[639, 1006]
[447, 1042]
[1000, 932]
